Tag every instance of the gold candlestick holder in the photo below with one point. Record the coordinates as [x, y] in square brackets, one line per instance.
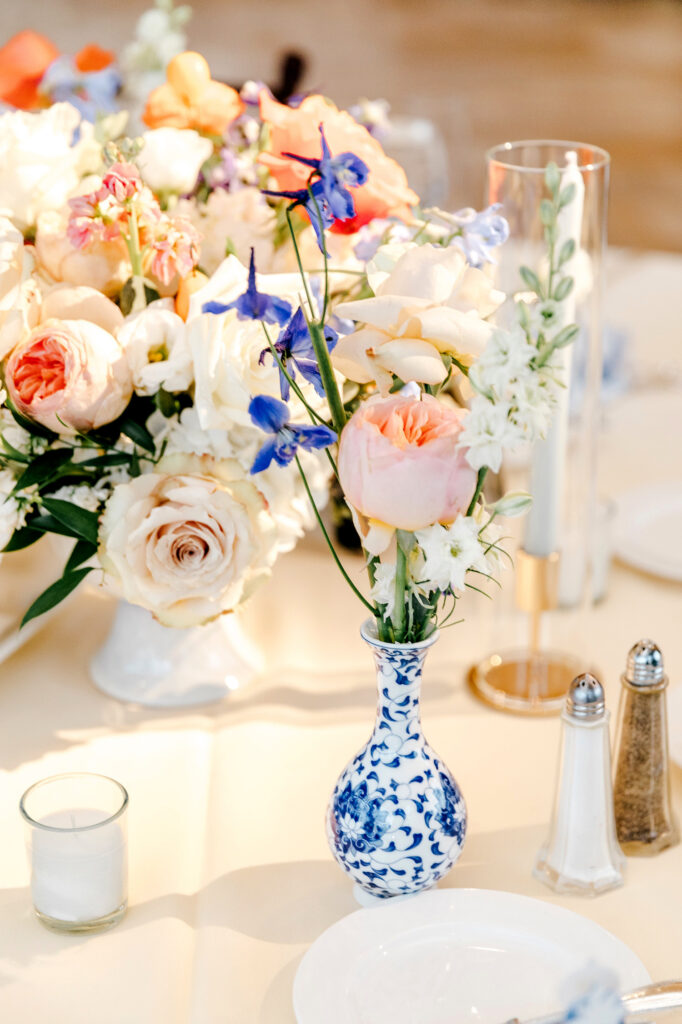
[529, 681]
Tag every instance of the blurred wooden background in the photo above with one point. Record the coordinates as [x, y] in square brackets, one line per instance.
[486, 71]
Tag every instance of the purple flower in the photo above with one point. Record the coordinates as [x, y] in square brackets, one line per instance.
[91, 92]
[254, 305]
[482, 232]
[272, 416]
[295, 349]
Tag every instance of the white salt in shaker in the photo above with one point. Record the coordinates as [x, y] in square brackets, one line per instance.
[582, 854]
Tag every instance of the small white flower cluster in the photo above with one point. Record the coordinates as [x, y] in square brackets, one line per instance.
[440, 560]
[514, 398]
[159, 36]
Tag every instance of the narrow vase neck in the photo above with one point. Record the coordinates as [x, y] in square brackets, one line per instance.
[399, 676]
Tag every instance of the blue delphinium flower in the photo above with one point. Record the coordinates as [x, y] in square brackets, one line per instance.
[272, 416]
[254, 305]
[482, 231]
[295, 350]
[91, 92]
[332, 177]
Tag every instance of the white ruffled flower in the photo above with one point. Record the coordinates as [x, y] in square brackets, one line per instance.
[235, 221]
[383, 591]
[19, 291]
[11, 515]
[171, 158]
[449, 553]
[155, 345]
[41, 163]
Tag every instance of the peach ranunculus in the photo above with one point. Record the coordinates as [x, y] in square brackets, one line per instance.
[399, 463]
[428, 302]
[100, 264]
[296, 130]
[188, 541]
[69, 375]
[190, 98]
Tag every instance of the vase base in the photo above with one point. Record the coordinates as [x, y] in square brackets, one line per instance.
[100, 924]
[367, 900]
[525, 682]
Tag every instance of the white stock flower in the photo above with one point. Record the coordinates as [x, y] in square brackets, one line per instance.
[10, 508]
[171, 158]
[449, 553]
[504, 360]
[155, 345]
[81, 495]
[41, 163]
[487, 431]
[383, 591]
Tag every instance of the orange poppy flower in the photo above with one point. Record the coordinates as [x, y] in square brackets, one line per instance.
[23, 62]
[190, 98]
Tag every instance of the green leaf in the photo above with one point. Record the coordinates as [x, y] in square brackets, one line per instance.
[83, 523]
[55, 593]
[566, 336]
[552, 177]
[567, 195]
[48, 524]
[22, 538]
[397, 385]
[150, 293]
[166, 403]
[563, 289]
[13, 453]
[547, 212]
[43, 468]
[30, 425]
[110, 459]
[127, 297]
[566, 251]
[138, 433]
[531, 279]
[82, 551]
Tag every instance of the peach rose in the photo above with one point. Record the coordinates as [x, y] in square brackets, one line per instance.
[296, 130]
[101, 265]
[191, 99]
[69, 375]
[399, 463]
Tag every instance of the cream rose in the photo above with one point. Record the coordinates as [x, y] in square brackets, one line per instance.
[186, 545]
[171, 158]
[239, 220]
[19, 292]
[69, 375]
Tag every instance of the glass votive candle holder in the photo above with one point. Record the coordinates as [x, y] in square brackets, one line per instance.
[76, 835]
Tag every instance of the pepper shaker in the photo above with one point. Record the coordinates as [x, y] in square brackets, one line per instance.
[582, 854]
[644, 816]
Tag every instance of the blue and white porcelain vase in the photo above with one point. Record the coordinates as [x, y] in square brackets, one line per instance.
[397, 819]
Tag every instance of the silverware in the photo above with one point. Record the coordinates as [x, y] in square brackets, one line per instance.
[638, 1004]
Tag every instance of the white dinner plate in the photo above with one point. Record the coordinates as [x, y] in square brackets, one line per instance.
[648, 529]
[453, 956]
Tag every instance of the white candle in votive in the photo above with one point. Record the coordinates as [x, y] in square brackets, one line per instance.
[543, 522]
[78, 875]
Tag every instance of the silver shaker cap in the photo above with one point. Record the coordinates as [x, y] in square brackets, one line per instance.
[645, 664]
[585, 697]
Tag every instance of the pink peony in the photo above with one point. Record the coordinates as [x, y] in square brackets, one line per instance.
[69, 375]
[399, 463]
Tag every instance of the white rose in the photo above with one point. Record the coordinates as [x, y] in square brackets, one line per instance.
[171, 158]
[154, 341]
[240, 219]
[41, 164]
[19, 293]
[187, 545]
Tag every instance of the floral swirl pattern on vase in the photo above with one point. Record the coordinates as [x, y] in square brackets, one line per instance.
[396, 821]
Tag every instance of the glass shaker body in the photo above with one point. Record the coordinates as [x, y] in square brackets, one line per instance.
[645, 820]
[582, 855]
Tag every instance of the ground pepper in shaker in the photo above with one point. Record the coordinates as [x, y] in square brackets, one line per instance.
[581, 854]
[644, 816]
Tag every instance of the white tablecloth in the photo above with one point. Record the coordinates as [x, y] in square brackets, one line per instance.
[231, 878]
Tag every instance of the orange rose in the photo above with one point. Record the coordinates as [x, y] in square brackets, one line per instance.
[191, 99]
[296, 130]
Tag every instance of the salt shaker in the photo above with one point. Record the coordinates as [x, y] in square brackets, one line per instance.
[644, 816]
[582, 854]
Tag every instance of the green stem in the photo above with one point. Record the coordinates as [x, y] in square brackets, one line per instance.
[398, 616]
[480, 480]
[329, 543]
[133, 244]
[298, 261]
[331, 388]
